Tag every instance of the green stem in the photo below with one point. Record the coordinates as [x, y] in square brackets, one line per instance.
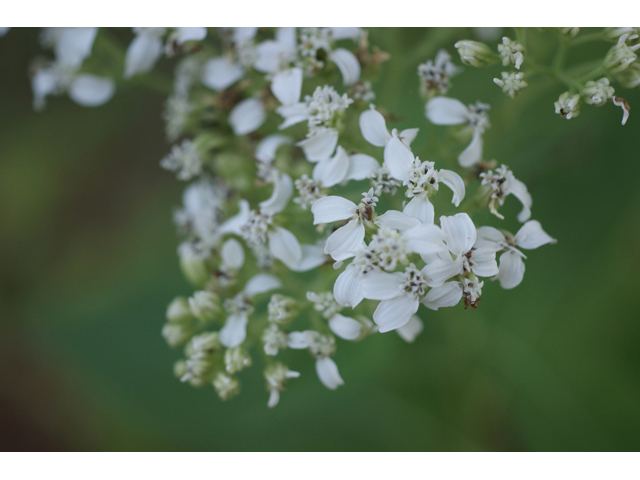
[591, 37]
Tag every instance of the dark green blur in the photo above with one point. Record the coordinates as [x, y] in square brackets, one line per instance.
[88, 265]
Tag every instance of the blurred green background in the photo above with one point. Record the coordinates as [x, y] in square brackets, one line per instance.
[88, 265]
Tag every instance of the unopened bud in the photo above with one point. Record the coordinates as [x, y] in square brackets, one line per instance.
[597, 93]
[205, 305]
[630, 77]
[178, 311]
[568, 105]
[475, 53]
[282, 309]
[569, 31]
[236, 359]
[511, 83]
[193, 264]
[226, 386]
[620, 56]
[176, 334]
[511, 52]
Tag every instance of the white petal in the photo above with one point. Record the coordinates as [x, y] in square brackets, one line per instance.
[411, 329]
[425, 239]
[447, 295]
[220, 73]
[272, 56]
[332, 171]
[622, 103]
[532, 236]
[345, 327]
[297, 340]
[460, 232]
[261, 283]
[446, 111]
[267, 148]
[378, 285]
[312, 256]
[321, 145]
[397, 157]
[455, 183]
[408, 136]
[234, 331]
[232, 254]
[398, 220]
[374, 128]
[286, 86]
[439, 271]
[191, 34]
[292, 114]
[233, 224]
[328, 374]
[484, 262]
[348, 288]
[247, 116]
[395, 313]
[360, 166]
[282, 191]
[91, 91]
[473, 153]
[286, 36]
[284, 246]
[74, 45]
[519, 190]
[489, 237]
[345, 241]
[142, 54]
[511, 269]
[332, 209]
[274, 398]
[420, 208]
[348, 65]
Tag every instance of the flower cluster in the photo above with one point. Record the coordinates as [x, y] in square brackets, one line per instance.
[308, 221]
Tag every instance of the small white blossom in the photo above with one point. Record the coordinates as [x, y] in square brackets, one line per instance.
[436, 73]
[511, 52]
[324, 303]
[184, 159]
[276, 376]
[511, 83]
[568, 105]
[598, 93]
[503, 183]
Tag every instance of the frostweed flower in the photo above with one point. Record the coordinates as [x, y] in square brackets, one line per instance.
[598, 93]
[306, 221]
[449, 111]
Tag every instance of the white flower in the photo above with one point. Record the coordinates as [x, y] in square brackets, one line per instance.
[276, 376]
[312, 40]
[598, 93]
[449, 111]
[269, 145]
[322, 347]
[459, 235]
[72, 46]
[436, 74]
[400, 295]
[238, 309]
[503, 183]
[529, 236]
[184, 159]
[346, 240]
[511, 83]
[511, 52]
[568, 105]
[374, 130]
[342, 167]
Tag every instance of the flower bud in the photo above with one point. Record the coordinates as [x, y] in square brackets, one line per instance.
[178, 311]
[613, 34]
[236, 359]
[568, 105]
[282, 309]
[620, 56]
[204, 344]
[274, 339]
[597, 93]
[193, 264]
[176, 334]
[511, 83]
[511, 52]
[205, 305]
[180, 368]
[630, 77]
[226, 386]
[475, 53]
